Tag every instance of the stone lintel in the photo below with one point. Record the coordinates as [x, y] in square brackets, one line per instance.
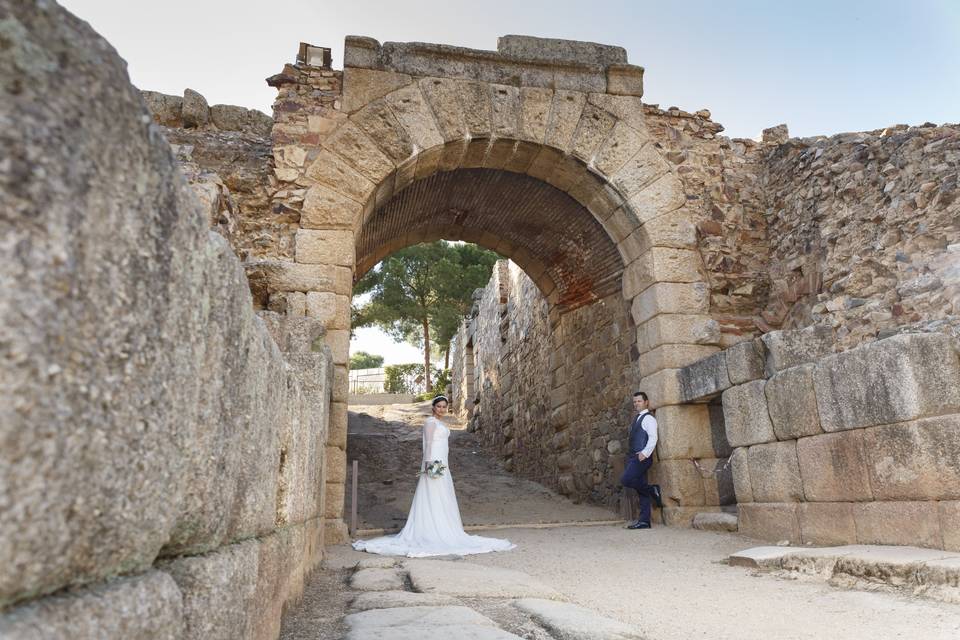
[523, 61]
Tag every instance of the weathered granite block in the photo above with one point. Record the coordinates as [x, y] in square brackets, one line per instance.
[950, 524]
[770, 521]
[740, 466]
[827, 523]
[718, 486]
[745, 415]
[904, 523]
[787, 349]
[146, 606]
[835, 467]
[893, 380]
[218, 591]
[704, 378]
[684, 432]
[792, 403]
[680, 483]
[917, 460]
[775, 472]
[746, 361]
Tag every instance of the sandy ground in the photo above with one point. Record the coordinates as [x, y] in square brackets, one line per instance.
[674, 585]
[386, 440]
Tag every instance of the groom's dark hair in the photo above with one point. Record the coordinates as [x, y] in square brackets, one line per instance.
[641, 394]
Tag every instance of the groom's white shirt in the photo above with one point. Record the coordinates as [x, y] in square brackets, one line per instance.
[650, 426]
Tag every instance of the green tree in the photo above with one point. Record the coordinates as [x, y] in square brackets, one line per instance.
[364, 360]
[419, 294]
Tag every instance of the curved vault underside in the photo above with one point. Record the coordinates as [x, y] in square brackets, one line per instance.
[550, 235]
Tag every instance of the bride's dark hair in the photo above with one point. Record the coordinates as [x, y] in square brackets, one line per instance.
[439, 399]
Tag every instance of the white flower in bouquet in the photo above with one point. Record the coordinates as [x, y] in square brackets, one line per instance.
[434, 469]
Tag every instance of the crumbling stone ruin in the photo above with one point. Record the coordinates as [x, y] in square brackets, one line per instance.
[176, 318]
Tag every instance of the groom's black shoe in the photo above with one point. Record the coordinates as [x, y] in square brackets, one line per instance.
[657, 496]
[639, 525]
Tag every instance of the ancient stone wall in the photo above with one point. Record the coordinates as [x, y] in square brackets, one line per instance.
[162, 468]
[551, 389]
[865, 232]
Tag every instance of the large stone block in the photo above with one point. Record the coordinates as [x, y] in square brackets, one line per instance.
[332, 310]
[564, 117]
[673, 356]
[704, 378]
[338, 425]
[662, 387]
[360, 152]
[326, 247]
[378, 122]
[770, 521]
[717, 477]
[266, 276]
[443, 94]
[325, 208]
[893, 380]
[147, 606]
[362, 86]
[677, 230]
[684, 432]
[835, 467]
[661, 197]
[661, 264]
[745, 415]
[281, 565]
[334, 500]
[740, 466]
[414, 113]
[640, 170]
[785, 349]
[950, 524]
[679, 482]
[792, 403]
[624, 143]
[827, 523]
[746, 361]
[671, 297]
[218, 591]
[915, 524]
[678, 329]
[332, 170]
[917, 460]
[775, 472]
[336, 462]
[230, 476]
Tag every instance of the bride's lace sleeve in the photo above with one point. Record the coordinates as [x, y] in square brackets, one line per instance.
[428, 428]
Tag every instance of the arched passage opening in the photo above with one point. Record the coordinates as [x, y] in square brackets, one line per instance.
[408, 116]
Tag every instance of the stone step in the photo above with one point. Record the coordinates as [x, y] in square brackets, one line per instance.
[929, 572]
[472, 580]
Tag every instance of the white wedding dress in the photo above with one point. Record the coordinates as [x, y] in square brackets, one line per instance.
[433, 525]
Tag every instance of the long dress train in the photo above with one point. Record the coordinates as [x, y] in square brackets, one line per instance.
[433, 526]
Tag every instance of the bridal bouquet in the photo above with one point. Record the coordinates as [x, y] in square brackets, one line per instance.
[434, 469]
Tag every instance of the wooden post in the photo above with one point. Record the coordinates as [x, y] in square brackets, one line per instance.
[353, 499]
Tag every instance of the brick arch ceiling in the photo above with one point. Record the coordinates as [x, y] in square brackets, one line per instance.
[529, 214]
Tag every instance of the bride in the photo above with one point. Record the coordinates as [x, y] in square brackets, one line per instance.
[433, 526]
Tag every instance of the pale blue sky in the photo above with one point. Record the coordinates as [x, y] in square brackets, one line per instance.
[822, 67]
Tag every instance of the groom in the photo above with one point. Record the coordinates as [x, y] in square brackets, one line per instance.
[643, 440]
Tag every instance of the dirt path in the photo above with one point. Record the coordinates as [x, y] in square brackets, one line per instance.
[386, 441]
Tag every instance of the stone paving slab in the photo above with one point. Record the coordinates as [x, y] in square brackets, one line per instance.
[392, 599]
[378, 562]
[422, 618]
[469, 632]
[472, 580]
[715, 522]
[567, 621]
[377, 580]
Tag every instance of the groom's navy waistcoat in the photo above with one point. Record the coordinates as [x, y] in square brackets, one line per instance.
[638, 437]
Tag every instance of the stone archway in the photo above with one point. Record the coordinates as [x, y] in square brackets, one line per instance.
[565, 114]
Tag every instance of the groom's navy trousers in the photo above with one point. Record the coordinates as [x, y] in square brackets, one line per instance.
[635, 473]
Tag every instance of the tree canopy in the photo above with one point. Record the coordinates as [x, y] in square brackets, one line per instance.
[421, 293]
[364, 360]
